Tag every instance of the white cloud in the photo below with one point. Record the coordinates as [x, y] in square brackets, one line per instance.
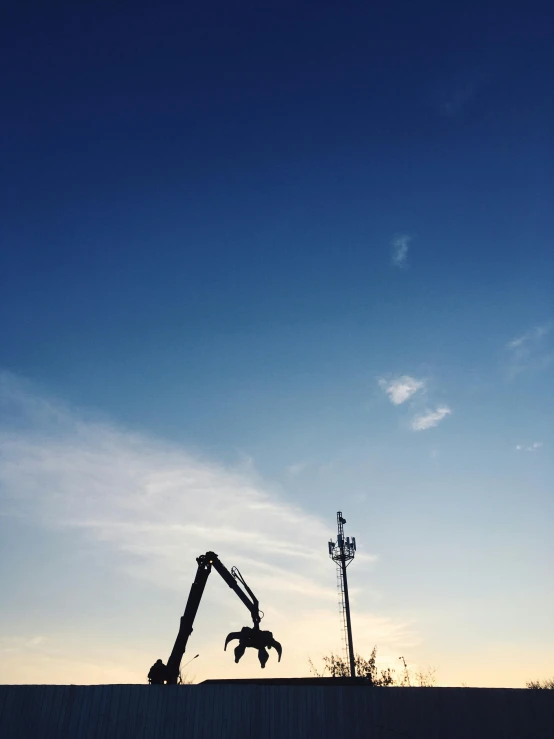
[297, 468]
[150, 500]
[154, 508]
[17, 643]
[400, 246]
[532, 448]
[401, 388]
[527, 352]
[534, 334]
[429, 419]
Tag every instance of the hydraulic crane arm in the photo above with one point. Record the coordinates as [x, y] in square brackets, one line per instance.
[248, 637]
[205, 564]
[231, 578]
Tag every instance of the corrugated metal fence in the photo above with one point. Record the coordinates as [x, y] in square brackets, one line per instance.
[272, 712]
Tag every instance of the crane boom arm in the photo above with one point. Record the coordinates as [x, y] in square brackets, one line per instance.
[231, 579]
[205, 564]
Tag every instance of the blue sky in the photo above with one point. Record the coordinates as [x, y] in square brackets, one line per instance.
[257, 265]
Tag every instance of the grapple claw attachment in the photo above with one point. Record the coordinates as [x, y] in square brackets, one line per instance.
[253, 637]
[277, 647]
[230, 637]
[239, 650]
[263, 656]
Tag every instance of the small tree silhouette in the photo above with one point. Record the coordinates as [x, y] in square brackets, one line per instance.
[538, 685]
[184, 679]
[336, 666]
[425, 678]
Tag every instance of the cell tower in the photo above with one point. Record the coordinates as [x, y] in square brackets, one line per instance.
[342, 553]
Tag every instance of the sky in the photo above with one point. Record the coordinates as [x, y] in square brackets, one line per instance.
[258, 265]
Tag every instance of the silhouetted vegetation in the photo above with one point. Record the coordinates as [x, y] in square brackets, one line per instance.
[541, 685]
[420, 679]
[184, 679]
[336, 666]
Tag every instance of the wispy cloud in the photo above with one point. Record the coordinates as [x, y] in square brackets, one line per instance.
[430, 418]
[154, 507]
[16, 643]
[534, 334]
[461, 90]
[400, 246]
[531, 448]
[297, 467]
[400, 389]
[529, 351]
[148, 500]
[459, 96]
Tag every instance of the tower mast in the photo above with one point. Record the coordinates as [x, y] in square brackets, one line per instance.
[342, 553]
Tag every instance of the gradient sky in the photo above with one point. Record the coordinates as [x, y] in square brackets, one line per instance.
[258, 265]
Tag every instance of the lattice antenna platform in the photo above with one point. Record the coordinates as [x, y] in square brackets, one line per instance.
[342, 552]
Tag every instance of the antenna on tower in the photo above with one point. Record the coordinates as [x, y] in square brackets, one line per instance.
[342, 552]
